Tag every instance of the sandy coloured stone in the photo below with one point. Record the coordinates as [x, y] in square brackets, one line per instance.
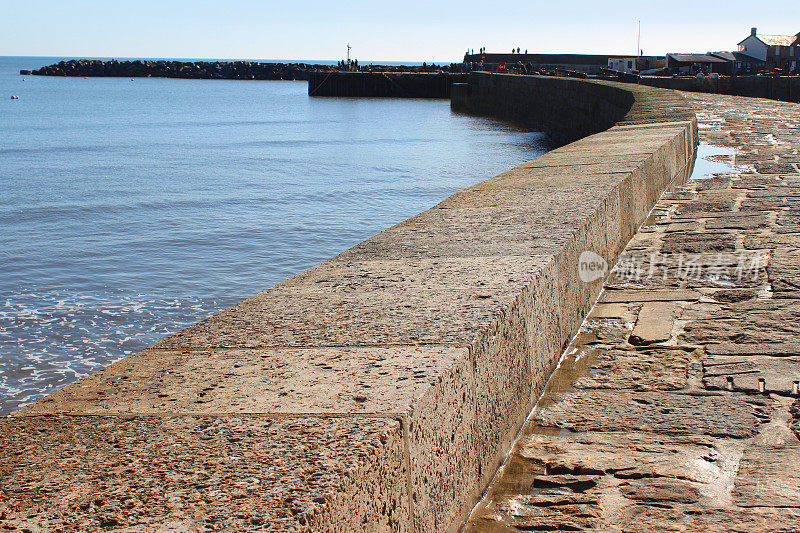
[648, 518]
[632, 296]
[276, 380]
[654, 323]
[92, 473]
[643, 371]
[737, 222]
[660, 412]
[608, 311]
[733, 295]
[693, 243]
[784, 270]
[767, 321]
[627, 455]
[660, 490]
[573, 482]
[778, 373]
[777, 349]
[528, 513]
[768, 477]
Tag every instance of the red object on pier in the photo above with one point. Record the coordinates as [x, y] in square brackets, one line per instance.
[501, 67]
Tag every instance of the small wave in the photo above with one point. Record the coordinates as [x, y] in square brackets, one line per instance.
[54, 337]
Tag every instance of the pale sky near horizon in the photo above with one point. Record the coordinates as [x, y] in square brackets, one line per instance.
[410, 30]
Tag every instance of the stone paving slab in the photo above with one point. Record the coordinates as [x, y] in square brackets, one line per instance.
[778, 373]
[648, 455]
[768, 477]
[777, 349]
[654, 323]
[649, 296]
[669, 413]
[654, 370]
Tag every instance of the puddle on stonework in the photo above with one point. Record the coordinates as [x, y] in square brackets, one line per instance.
[516, 476]
[711, 160]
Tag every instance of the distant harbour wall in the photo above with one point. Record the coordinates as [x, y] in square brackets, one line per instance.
[379, 390]
[565, 110]
[786, 88]
[587, 63]
[383, 84]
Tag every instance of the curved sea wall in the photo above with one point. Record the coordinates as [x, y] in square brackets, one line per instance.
[786, 88]
[380, 390]
[383, 84]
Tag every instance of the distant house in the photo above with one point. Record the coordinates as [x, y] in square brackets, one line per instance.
[777, 51]
[741, 63]
[694, 63]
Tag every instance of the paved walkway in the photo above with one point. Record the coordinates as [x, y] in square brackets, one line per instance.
[656, 420]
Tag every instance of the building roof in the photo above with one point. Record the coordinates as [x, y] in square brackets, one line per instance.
[736, 56]
[781, 40]
[696, 58]
[773, 40]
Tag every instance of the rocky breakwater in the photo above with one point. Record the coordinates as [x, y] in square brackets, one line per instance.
[207, 70]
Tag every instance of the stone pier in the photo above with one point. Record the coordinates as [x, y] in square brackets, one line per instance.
[675, 408]
[379, 390]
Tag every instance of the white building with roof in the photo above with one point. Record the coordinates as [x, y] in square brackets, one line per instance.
[778, 51]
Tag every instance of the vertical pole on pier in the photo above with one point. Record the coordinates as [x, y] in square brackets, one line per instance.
[638, 45]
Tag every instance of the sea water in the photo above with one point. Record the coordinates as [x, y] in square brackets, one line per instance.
[130, 209]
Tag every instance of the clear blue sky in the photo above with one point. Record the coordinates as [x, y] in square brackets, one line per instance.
[379, 30]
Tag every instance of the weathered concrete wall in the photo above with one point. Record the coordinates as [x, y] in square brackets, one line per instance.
[566, 110]
[786, 88]
[382, 84]
[379, 390]
[563, 107]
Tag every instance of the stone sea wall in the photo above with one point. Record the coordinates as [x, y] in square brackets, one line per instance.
[379, 390]
[383, 84]
[786, 88]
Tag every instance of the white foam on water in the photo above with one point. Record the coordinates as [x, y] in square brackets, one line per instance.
[54, 337]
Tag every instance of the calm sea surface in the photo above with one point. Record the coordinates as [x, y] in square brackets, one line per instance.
[131, 209]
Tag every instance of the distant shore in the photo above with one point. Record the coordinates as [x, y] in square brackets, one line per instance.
[211, 70]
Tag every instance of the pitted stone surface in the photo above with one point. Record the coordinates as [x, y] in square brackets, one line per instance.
[377, 303]
[285, 380]
[85, 473]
